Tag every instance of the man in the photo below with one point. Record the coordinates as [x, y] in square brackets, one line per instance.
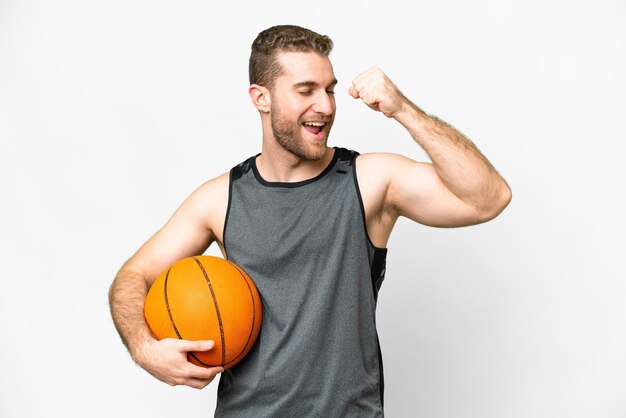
[309, 224]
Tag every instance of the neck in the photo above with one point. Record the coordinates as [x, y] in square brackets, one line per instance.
[275, 164]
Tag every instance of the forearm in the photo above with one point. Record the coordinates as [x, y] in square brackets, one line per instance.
[127, 296]
[459, 164]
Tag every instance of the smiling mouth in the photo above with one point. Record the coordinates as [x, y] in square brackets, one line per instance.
[314, 127]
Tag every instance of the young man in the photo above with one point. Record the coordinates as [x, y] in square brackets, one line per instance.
[309, 224]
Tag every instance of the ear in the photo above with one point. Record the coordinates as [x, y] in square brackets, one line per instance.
[261, 98]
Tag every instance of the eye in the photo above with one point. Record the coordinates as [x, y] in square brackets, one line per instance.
[306, 92]
[330, 92]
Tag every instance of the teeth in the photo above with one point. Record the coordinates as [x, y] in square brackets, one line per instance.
[318, 124]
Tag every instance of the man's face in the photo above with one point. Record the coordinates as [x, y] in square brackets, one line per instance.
[303, 104]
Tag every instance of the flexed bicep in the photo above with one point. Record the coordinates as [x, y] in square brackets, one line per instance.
[393, 185]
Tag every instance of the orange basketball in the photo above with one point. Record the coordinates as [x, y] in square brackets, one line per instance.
[206, 298]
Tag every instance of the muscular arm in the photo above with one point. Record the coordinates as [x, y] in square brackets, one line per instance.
[190, 230]
[478, 192]
[459, 188]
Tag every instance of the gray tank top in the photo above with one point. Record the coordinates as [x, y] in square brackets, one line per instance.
[306, 248]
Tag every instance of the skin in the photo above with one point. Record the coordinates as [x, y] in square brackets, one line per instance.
[460, 187]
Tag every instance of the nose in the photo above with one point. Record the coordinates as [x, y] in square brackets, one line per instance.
[324, 103]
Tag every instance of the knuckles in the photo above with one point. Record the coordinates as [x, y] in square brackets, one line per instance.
[168, 363]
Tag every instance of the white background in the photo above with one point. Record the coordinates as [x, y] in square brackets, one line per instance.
[112, 112]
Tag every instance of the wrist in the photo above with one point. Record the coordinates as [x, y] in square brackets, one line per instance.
[140, 347]
[408, 114]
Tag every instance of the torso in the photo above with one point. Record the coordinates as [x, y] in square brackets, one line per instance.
[372, 186]
[306, 247]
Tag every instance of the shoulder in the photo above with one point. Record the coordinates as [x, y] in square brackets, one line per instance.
[388, 180]
[216, 184]
[383, 160]
[207, 199]
[206, 207]
[212, 193]
[382, 168]
[388, 167]
[370, 160]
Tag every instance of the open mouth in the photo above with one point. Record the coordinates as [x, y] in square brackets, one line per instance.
[314, 127]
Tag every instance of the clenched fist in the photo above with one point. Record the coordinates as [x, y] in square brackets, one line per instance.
[378, 92]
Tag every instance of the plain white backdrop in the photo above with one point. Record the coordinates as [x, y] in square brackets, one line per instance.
[111, 113]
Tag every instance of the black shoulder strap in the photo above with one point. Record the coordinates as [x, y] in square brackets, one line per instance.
[239, 170]
[345, 156]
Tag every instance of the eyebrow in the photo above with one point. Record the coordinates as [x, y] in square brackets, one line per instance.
[313, 84]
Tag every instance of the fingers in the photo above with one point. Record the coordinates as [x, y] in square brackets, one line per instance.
[186, 345]
[167, 361]
[358, 83]
[365, 86]
[367, 74]
[353, 92]
[377, 91]
[191, 375]
[367, 82]
[197, 383]
[197, 377]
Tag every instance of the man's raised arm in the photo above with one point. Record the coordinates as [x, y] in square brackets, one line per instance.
[459, 188]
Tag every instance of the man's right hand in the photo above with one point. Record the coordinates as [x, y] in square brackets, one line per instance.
[167, 361]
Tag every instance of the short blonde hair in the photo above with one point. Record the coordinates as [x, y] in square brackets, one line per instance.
[264, 68]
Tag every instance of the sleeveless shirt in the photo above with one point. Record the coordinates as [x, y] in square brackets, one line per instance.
[305, 246]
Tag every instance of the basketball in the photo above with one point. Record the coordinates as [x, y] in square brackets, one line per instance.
[206, 298]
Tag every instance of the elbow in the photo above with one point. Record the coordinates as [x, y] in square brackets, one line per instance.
[127, 276]
[113, 293]
[504, 198]
[496, 204]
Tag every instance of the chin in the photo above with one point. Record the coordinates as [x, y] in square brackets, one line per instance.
[301, 144]
[317, 152]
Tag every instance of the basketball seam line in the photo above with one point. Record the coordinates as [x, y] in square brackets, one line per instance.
[167, 304]
[217, 308]
[253, 312]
